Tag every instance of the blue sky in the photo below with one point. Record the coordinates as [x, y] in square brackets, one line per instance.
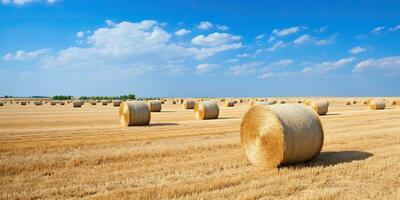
[200, 48]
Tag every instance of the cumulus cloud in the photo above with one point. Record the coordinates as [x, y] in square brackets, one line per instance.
[23, 2]
[205, 67]
[357, 50]
[23, 55]
[387, 64]
[286, 31]
[245, 68]
[205, 25]
[182, 32]
[215, 39]
[138, 47]
[327, 66]
[277, 45]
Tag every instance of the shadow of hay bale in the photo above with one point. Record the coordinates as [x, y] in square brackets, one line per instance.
[163, 124]
[332, 158]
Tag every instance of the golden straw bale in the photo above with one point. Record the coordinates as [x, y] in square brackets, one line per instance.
[53, 103]
[347, 103]
[188, 104]
[207, 110]
[320, 107]
[1, 104]
[104, 102]
[281, 134]
[117, 103]
[93, 103]
[229, 103]
[376, 105]
[134, 113]
[38, 103]
[154, 105]
[77, 104]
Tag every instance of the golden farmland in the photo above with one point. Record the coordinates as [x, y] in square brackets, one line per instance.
[60, 152]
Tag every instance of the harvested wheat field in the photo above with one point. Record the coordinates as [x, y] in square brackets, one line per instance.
[61, 152]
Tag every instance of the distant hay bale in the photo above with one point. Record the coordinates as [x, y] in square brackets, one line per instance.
[53, 103]
[23, 103]
[281, 134]
[264, 103]
[154, 105]
[376, 105]
[299, 101]
[282, 102]
[93, 103]
[354, 102]
[134, 113]
[207, 110]
[320, 107]
[62, 103]
[347, 103]
[229, 103]
[77, 104]
[1, 104]
[117, 103]
[173, 102]
[104, 102]
[188, 104]
[38, 103]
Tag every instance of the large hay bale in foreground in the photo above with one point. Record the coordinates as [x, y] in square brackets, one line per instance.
[77, 104]
[281, 134]
[188, 104]
[376, 105]
[229, 103]
[117, 103]
[134, 113]
[320, 107]
[207, 110]
[154, 105]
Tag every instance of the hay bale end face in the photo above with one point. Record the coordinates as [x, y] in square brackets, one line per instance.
[207, 110]
[134, 113]
[77, 104]
[376, 105]
[188, 104]
[154, 105]
[320, 107]
[281, 134]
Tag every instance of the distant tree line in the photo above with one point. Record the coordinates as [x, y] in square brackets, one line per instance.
[62, 97]
[122, 97]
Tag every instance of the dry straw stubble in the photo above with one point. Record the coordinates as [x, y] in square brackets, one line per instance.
[281, 134]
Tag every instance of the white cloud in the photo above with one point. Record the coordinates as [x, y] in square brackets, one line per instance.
[377, 30]
[23, 2]
[182, 32]
[205, 67]
[328, 65]
[265, 75]
[356, 50]
[271, 39]
[246, 68]
[232, 60]
[302, 39]
[322, 29]
[23, 55]
[243, 55]
[396, 28]
[205, 25]
[138, 47]
[282, 63]
[222, 27]
[277, 45]
[387, 64]
[259, 37]
[109, 22]
[80, 34]
[326, 41]
[215, 39]
[286, 31]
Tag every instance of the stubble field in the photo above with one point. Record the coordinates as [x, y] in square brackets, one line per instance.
[62, 152]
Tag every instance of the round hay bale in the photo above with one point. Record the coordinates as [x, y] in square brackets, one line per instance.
[299, 101]
[376, 105]
[53, 103]
[62, 103]
[282, 101]
[229, 103]
[354, 102]
[1, 104]
[154, 105]
[23, 103]
[173, 102]
[104, 102]
[134, 113]
[93, 103]
[207, 110]
[320, 107]
[188, 104]
[77, 104]
[347, 103]
[117, 103]
[38, 103]
[281, 134]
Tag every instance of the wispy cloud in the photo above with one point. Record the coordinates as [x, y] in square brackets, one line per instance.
[245, 68]
[24, 2]
[25, 55]
[286, 31]
[327, 66]
[205, 67]
[279, 44]
[386, 64]
[378, 30]
[357, 50]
